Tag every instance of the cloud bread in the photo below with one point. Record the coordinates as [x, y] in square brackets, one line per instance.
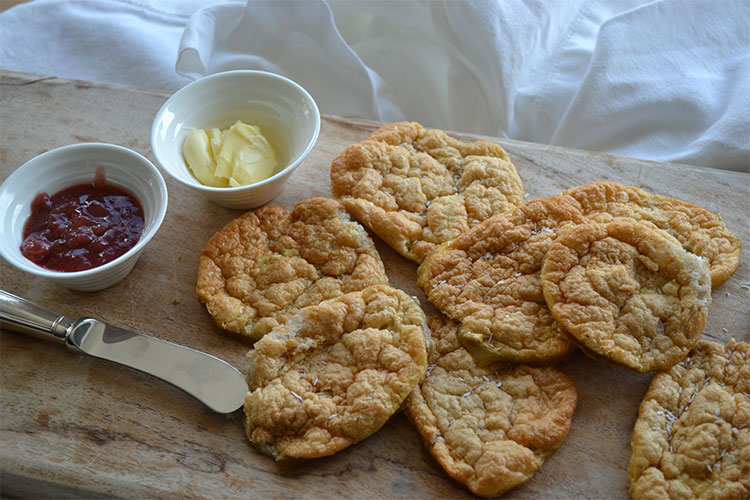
[334, 373]
[628, 292]
[488, 279]
[417, 188]
[700, 231]
[692, 435]
[265, 265]
[490, 428]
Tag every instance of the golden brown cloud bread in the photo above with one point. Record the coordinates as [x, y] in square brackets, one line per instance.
[265, 265]
[334, 373]
[692, 436]
[698, 230]
[490, 428]
[488, 279]
[628, 292]
[417, 188]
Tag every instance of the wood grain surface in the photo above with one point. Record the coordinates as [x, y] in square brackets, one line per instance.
[73, 426]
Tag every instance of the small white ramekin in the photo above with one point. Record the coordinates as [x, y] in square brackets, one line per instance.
[76, 164]
[286, 113]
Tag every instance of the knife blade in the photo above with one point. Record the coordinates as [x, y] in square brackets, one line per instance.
[210, 380]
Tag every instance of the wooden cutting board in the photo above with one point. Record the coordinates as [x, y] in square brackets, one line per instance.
[82, 427]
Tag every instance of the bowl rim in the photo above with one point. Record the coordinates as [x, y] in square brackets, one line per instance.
[28, 266]
[218, 76]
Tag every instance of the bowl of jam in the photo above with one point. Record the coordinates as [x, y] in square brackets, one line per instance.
[82, 214]
[235, 137]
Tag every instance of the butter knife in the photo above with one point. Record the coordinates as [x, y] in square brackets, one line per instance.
[213, 382]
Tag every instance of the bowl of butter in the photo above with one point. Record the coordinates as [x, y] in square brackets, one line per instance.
[236, 136]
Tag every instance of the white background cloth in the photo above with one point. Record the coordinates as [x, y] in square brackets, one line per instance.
[665, 80]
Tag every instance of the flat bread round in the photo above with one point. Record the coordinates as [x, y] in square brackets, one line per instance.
[417, 188]
[488, 279]
[698, 230]
[334, 373]
[491, 428]
[267, 264]
[628, 292]
[692, 436]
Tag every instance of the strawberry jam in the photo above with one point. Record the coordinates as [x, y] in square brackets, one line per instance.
[82, 226]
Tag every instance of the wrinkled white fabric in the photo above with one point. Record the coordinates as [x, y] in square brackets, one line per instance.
[122, 42]
[664, 80]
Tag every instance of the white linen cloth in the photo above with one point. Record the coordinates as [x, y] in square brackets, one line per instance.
[665, 80]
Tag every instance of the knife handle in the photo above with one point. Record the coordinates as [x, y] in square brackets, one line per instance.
[26, 317]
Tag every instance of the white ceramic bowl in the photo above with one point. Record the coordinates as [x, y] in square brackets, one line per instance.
[286, 113]
[76, 164]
